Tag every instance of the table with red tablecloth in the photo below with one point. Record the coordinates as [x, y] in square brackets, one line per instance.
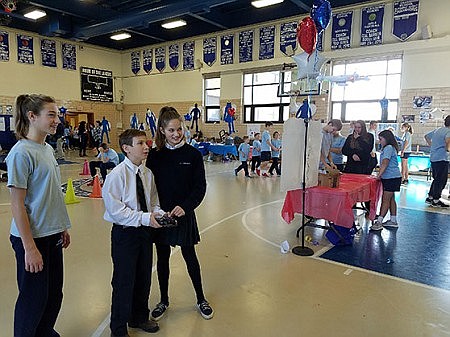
[335, 204]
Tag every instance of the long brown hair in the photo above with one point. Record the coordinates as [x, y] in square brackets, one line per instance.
[166, 114]
[364, 134]
[25, 104]
[407, 127]
[390, 139]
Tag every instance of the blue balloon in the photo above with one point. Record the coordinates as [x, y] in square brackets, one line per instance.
[321, 14]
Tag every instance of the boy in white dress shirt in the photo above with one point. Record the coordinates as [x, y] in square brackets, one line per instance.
[131, 203]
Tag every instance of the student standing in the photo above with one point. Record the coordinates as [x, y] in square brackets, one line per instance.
[180, 179]
[357, 148]
[406, 150]
[132, 214]
[39, 229]
[256, 154]
[275, 154]
[391, 179]
[244, 150]
[336, 150]
[326, 160]
[439, 140]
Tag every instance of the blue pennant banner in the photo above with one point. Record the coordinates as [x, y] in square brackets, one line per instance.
[372, 25]
[226, 49]
[48, 53]
[209, 50]
[174, 56]
[4, 46]
[188, 55]
[266, 42]
[246, 46]
[135, 61]
[25, 50]
[160, 58]
[288, 38]
[69, 56]
[147, 60]
[341, 33]
[406, 13]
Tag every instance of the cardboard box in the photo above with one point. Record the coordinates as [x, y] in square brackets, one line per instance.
[330, 179]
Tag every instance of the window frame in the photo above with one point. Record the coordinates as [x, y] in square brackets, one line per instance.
[208, 108]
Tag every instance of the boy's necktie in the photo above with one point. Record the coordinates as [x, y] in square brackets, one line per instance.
[141, 193]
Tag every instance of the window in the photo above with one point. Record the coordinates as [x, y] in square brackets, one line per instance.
[212, 99]
[261, 103]
[361, 99]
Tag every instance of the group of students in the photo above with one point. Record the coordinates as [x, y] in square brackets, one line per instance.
[167, 181]
[265, 148]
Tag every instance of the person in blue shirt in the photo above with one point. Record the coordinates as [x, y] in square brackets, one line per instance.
[337, 143]
[108, 160]
[244, 150]
[266, 148]
[439, 140]
[256, 154]
[275, 153]
[391, 179]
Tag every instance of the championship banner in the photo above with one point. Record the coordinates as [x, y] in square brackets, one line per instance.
[226, 49]
[69, 56]
[147, 60]
[48, 53]
[25, 51]
[266, 42]
[160, 58]
[4, 46]
[341, 33]
[174, 56]
[372, 25]
[246, 46]
[406, 14]
[188, 55]
[288, 37]
[135, 61]
[209, 50]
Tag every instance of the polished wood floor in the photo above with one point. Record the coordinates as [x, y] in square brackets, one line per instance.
[254, 288]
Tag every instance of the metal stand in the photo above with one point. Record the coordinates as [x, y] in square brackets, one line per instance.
[302, 250]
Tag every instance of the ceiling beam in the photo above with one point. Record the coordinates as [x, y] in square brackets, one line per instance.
[211, 22]
[143, 18]
[301, 4]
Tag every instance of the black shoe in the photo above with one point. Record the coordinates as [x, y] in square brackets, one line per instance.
[159, 311]
[148, 326]
[205, 310]
[429, 200]
[235, 172]
[439, 204]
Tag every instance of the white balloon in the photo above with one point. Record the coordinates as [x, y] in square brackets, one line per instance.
[309, 65]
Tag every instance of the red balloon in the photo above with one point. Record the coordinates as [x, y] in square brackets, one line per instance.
[307, 34]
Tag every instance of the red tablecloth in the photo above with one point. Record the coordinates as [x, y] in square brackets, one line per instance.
[335, 204]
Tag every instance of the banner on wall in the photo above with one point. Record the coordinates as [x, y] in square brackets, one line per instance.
[246, 46]
[288, 37]
[209, 50]
[341, 33]
[406, 13]
[96, 85]
[4, 46]
[372, 25]
[69, 56]
[147, 60]
[25, 51]
[266, 42]
[160, 58]
[174, 56]
[135, 61]
[48, 53]
[226, 49]
[188, 55]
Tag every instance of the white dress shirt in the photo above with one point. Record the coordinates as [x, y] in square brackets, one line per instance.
[120, 195]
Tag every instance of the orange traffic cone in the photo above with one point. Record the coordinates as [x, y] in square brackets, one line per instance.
[96, 189]
[70, 197]
[85, 171]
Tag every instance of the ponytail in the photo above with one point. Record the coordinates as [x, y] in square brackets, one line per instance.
[166, 114]
[24, 104]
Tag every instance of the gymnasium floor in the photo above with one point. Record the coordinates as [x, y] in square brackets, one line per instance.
[254, 288]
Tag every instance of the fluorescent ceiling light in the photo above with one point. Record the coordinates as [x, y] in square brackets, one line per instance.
[120, 36]
[174, 24]
[35, 14]
[265, 3]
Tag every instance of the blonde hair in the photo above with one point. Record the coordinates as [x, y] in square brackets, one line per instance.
[166, 114]
[24, 104]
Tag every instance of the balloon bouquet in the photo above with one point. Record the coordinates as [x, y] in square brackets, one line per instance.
[310, 62]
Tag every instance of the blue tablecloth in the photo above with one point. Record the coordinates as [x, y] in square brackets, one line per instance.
[223, 149]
